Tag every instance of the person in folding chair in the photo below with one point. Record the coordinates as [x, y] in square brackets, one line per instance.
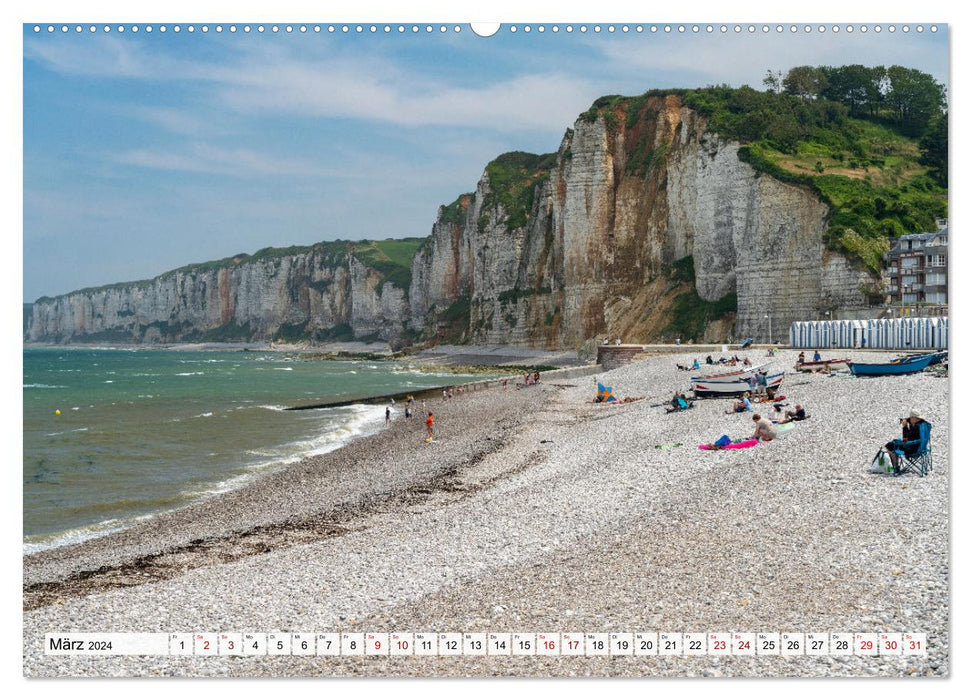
[914, 447]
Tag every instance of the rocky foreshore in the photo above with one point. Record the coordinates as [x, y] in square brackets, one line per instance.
[538, 511]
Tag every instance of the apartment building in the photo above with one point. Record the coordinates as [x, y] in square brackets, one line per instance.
[916, 268]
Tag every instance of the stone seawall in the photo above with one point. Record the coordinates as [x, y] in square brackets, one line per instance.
[613, 356]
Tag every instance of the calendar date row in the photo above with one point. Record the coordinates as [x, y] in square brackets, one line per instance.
[375, 644]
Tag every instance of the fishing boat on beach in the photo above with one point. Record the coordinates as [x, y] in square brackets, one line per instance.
[823, 365]
[720, 385]
[936, 357]
[901, 366]
[744, 372]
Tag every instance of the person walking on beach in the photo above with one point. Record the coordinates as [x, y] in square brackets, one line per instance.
[430, 425]
[387, 414]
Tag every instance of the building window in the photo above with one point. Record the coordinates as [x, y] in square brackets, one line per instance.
[908, 262]
[938, 261]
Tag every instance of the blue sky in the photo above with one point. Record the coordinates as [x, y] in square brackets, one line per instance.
[147, 151]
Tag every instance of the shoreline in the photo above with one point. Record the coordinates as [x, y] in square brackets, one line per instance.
[251, 473]
[98, 530]
[494, 528]
[69, 556]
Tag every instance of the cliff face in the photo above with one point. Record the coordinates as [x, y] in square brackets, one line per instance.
[549, 251]
[287, 296]
[630, 194]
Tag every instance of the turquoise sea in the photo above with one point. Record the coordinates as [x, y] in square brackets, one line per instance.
[143, 431]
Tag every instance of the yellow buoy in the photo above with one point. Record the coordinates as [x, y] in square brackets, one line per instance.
[57, 411]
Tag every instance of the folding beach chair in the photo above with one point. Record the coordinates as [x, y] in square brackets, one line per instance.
[919, 462]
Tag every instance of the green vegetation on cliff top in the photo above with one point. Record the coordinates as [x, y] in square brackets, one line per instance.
[870, 142]
[513, 178]
[454, 213]
[390, 257]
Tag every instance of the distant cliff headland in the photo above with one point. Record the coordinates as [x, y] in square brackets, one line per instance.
[691, 213]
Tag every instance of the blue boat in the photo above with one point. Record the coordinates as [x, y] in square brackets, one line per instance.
[936, 357]
[905, 366]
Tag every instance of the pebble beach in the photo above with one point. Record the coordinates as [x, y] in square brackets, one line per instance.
[536, 510]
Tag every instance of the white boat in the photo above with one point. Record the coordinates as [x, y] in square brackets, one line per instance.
[731, 376]
[727, 386]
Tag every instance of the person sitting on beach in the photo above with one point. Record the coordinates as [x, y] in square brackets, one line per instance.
[764, 430]
[911, 429]
[535, 377]
[778, 415]
[798, 413]
[817, 357]
[696, 365]
[742, 405]
[678, 403]
[709, 361]
[746, 362]
[801, 359]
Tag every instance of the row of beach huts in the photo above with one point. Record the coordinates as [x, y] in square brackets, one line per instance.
[886, 333]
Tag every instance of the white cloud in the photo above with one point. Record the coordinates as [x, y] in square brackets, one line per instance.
[744, 58]
[265, 79]
[235, 162]
[184, 122]
[104, 56]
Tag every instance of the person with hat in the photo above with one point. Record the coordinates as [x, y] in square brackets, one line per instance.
[910, 443]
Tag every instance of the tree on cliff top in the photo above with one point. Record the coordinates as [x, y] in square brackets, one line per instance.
[933, 149]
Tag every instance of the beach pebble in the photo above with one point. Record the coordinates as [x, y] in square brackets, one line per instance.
[595, 530]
